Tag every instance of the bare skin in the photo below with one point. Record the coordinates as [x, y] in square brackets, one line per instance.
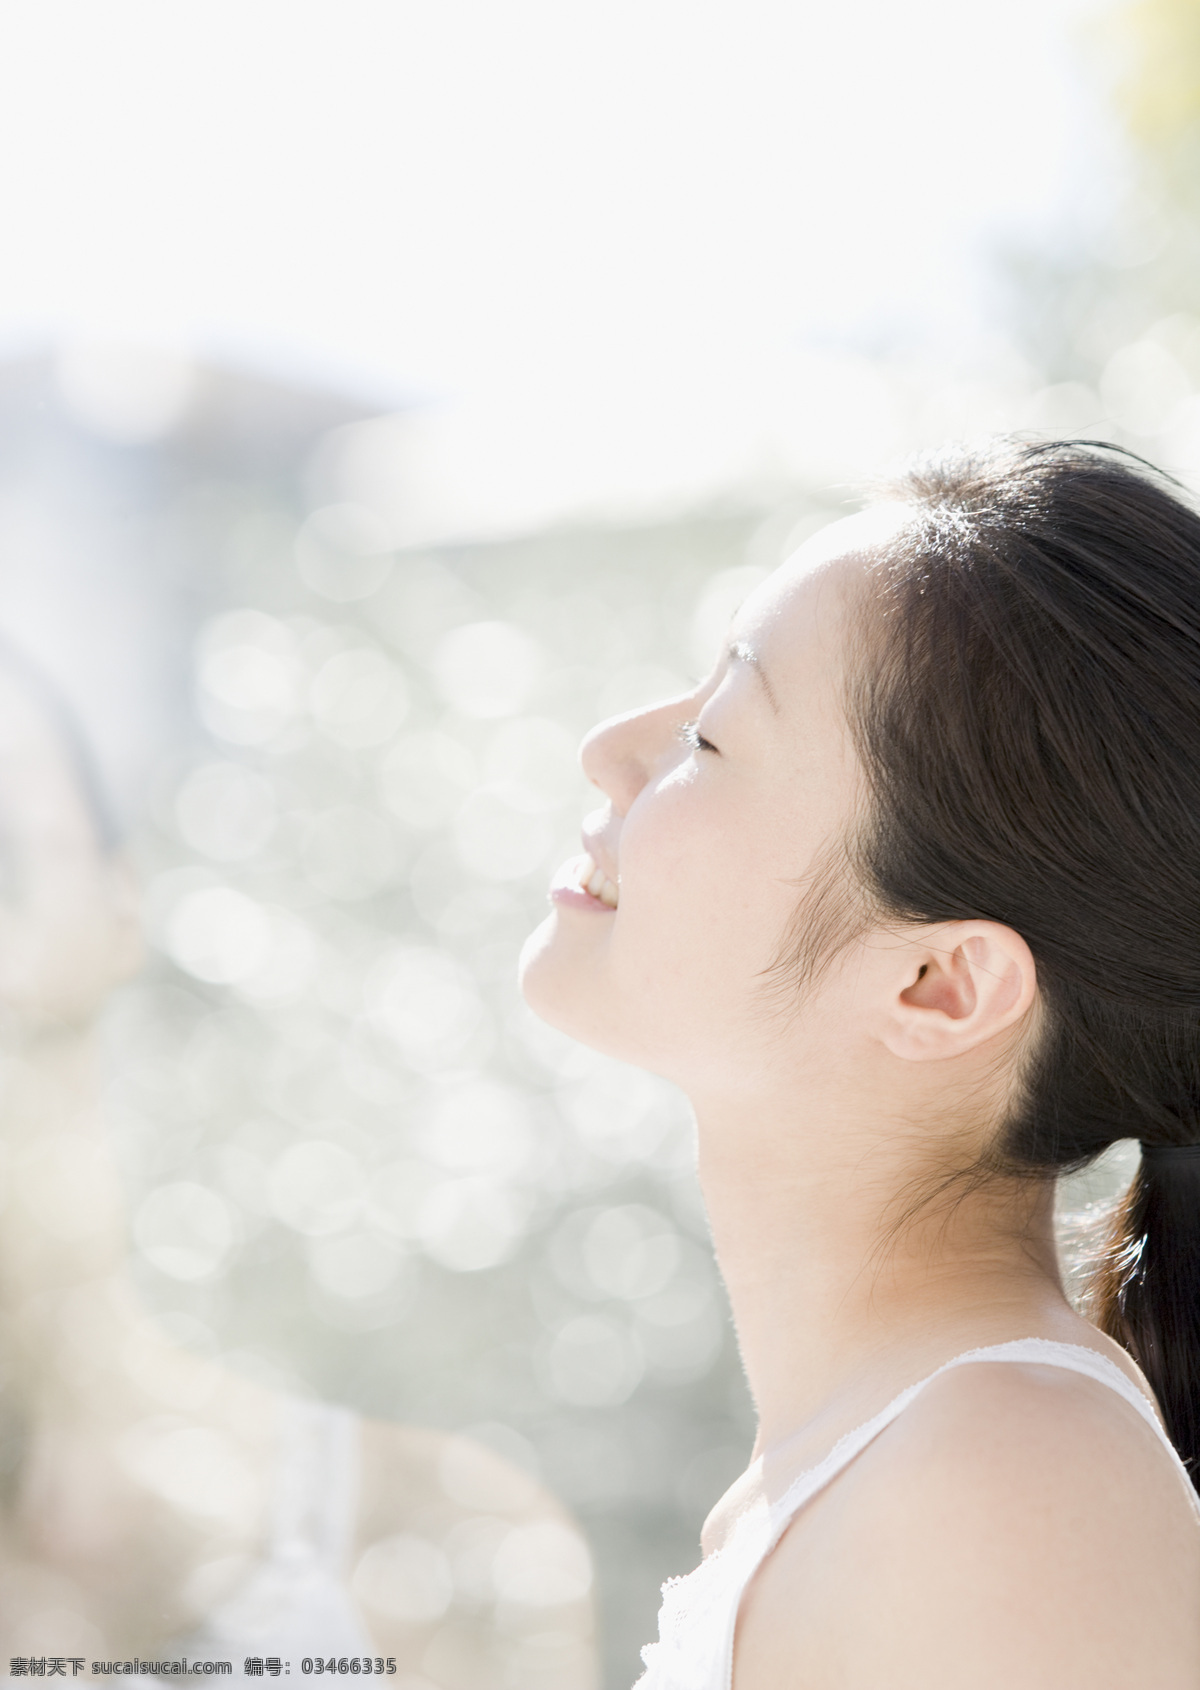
[109, 1545]
[1011, 1525]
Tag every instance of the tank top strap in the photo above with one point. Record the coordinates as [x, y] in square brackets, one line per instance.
[1076, 1358]
[814, 1479]
[1044, 1352]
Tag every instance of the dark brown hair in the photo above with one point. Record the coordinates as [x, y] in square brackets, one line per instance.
[1030, 729]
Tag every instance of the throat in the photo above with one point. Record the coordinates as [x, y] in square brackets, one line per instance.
[838, 1309]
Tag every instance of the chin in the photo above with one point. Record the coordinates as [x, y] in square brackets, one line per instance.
[562, 988]
[545, 977]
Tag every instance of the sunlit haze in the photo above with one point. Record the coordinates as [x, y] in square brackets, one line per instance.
[390, 392]
[623, 252]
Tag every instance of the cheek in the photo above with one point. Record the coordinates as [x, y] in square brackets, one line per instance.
[704, 896]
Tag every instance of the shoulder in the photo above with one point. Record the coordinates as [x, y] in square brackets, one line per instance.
[1057, 1432]
[1007, 1528]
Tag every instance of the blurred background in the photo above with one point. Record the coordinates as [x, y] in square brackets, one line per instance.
[388, 392]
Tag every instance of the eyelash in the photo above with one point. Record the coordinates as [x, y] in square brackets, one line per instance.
[690, 734]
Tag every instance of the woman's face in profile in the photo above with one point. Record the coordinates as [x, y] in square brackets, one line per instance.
[719, 806]
[68, 911]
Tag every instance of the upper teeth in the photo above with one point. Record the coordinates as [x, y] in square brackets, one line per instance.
[598, 883]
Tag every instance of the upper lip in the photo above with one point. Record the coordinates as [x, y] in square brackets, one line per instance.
[596, 846]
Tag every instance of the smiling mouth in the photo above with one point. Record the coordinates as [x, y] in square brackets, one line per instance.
[595, 881]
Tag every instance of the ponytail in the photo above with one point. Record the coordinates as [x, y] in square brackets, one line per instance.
[1146, 1292]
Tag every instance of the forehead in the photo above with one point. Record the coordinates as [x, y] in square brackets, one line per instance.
[800, 610]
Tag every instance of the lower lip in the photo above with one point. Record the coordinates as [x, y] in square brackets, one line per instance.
[567, 893]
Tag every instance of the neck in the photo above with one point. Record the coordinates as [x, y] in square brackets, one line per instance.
[840, 1279]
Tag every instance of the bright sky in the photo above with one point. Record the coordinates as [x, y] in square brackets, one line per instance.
[563, 221]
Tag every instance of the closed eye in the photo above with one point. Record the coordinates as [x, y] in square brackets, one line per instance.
[690, 734]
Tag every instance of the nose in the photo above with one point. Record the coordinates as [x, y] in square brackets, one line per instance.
[621, 755]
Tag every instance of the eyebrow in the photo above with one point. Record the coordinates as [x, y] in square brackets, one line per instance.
[739, 651]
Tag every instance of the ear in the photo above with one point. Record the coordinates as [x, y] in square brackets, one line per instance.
[965, 983]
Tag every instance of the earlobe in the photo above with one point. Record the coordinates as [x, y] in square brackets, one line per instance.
[969, 983]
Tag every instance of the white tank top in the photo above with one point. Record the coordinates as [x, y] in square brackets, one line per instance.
[699, 1612]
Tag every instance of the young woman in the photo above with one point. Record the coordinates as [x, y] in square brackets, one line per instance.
[907, 898]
